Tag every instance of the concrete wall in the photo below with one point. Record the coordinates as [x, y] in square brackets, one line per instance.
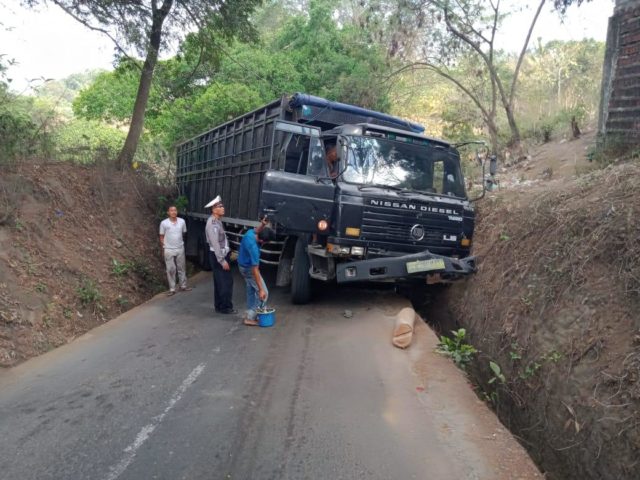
[620, 101]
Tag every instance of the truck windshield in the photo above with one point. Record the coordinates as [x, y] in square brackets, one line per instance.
[383, 162]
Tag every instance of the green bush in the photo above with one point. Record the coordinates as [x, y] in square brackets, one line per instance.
[546, 130]
[181, 202]
[88, 293]
[456, 348]
[565, 115]
[25, 126]
[15, 127]
[120, 269]
[84, 141]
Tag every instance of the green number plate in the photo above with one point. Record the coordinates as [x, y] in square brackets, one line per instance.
[425, 265]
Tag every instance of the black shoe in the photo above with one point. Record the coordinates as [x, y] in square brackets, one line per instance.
[231, 311]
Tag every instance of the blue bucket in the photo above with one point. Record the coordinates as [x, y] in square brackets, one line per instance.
[267, 318]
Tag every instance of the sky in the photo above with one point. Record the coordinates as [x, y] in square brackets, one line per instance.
[47, 43]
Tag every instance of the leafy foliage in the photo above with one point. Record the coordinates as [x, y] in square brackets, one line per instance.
[15, 126]
[560, 80]
[547, 98]
[187, 117]
[84, 140]
[88, 293]
[562, 5]
[26, 126]
[110, 96]
[342, 51]
[497, 375]
[334, 63]
[121, 269]
[181, 203]
[308, 53]
[461, 352]
[147, 28]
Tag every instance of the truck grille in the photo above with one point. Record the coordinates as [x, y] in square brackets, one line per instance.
[381, 225]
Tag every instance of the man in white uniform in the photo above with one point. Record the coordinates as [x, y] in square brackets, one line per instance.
[219, 258]
[172, 230]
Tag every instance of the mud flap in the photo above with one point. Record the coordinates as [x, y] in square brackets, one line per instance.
[408, 266]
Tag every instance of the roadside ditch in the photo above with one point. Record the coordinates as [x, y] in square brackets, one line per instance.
[554, 307]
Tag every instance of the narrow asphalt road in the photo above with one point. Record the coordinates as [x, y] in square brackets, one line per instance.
[172, 391]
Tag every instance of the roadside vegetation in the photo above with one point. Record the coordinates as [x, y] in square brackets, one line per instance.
[300, 46]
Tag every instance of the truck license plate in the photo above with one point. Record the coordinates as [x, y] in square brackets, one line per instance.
[425, 265]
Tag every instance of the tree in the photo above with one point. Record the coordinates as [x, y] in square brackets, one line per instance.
[111, 95]
[560, 80]
[307, 51]
[335, 61]
[150, 26]
[269, 71]
[400, 26]
[218, 103]
[468, 29]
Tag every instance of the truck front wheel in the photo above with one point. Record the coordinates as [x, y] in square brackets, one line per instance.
[300, 280]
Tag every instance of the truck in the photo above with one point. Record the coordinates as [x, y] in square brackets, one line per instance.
[392, 208]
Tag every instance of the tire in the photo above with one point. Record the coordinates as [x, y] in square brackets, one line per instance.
[203, 255]
[300, 279]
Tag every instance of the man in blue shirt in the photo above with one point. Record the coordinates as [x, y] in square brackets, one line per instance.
[249, 265]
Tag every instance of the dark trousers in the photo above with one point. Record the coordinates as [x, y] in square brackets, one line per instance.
[222, 284]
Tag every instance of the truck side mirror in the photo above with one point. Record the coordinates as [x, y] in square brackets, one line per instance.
[493, 169]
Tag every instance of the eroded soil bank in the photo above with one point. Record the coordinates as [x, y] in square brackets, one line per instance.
[77, 247]
[555, 305]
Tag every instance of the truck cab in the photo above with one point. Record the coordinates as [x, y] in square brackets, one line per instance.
[391, 207]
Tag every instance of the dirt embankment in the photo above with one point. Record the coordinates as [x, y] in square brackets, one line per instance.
[77, 247]
[555, 306]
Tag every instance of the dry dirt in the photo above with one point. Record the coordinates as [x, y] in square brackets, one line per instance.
[62, 226]
[555, 305]
[558, 160]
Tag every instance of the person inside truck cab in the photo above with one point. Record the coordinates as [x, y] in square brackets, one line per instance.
[331, 156]
[450, 184]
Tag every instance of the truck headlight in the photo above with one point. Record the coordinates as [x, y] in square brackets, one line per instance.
[338, 249]
[357, 251]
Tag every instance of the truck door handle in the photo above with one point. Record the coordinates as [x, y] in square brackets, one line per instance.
[270, 210]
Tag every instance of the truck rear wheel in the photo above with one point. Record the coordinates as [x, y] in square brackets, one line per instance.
[300, 279]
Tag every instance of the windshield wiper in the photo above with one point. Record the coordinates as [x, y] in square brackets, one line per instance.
[431, 191]
[388, 187]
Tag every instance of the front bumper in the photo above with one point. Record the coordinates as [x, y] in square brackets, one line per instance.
[417, 265]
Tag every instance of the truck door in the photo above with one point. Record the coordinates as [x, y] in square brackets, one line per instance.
[297, 192]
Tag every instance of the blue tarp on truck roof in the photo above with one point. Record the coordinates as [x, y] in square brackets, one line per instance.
[299, 100]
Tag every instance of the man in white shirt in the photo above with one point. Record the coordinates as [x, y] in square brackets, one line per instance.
[172, 230]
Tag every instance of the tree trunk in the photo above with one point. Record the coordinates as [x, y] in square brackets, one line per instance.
[493, 135]
[513, 126]
[128, 151]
